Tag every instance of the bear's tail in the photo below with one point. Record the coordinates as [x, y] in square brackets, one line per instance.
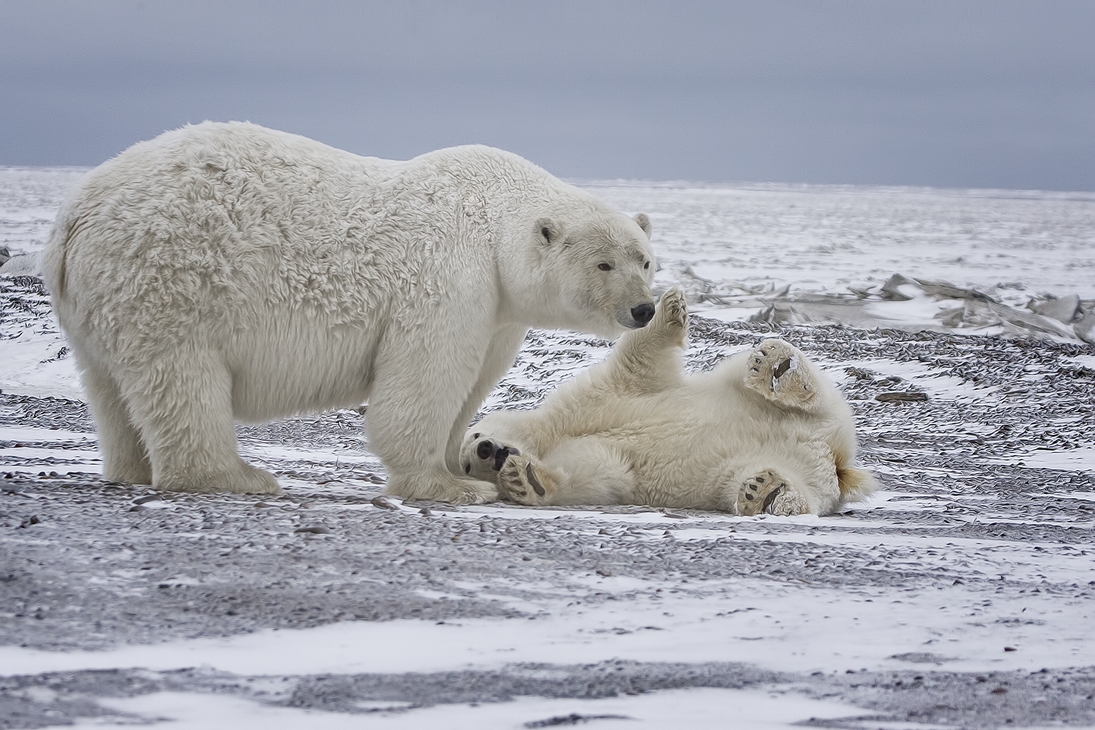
[855, 484]
[55, 253]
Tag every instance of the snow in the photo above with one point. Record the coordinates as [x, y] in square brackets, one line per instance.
[935, 384]
[782, 628]
[29, 365]
[830, 237]
[1082, 459]
[739, 246]
[1087, 361]
[695, 708]
[748, 246]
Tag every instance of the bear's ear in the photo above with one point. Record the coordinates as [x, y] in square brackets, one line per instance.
[548, 231]
[644, 222]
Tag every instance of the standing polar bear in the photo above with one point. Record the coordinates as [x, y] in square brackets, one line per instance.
[227, 272]
[763, 432]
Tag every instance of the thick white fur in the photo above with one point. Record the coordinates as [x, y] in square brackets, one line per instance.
[227, 272]
[762, 432]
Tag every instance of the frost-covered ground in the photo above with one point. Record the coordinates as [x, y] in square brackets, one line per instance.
[961, 595]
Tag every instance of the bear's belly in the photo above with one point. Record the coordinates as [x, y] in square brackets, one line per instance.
[300, 370]
[677, 440]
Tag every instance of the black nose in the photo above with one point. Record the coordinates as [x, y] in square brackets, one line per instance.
[642, 313]
[484, 450]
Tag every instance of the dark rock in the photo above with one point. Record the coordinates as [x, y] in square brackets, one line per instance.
[901, 396]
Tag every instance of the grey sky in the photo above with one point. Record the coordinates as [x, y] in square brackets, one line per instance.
[952, 93]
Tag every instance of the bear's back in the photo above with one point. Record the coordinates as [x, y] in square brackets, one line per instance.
[218, 219]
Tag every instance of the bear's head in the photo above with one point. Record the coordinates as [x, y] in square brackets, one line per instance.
[600, 267]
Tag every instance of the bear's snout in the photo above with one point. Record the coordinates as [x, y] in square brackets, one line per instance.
[501, 455]
[487, 450]
[643, 313]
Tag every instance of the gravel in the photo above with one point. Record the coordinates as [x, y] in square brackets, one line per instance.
[89, 564]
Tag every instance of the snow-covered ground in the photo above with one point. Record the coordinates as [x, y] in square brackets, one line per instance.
[963, 594]
[964, 260]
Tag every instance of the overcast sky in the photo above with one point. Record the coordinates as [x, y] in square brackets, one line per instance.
[951, 93]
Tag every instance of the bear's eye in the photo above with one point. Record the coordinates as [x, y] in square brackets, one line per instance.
[646, 265]
[604, 267]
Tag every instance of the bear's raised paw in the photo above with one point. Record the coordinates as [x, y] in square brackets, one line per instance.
[672, 312]
[779, 372]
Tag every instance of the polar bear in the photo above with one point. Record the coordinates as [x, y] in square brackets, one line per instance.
[764, 432]
[227, 272]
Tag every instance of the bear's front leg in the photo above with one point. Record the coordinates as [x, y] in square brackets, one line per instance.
[649, 360]
[418, 395]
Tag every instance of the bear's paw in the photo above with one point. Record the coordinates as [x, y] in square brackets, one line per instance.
[779, 372]
[519, 482]
[759, 492]
[672, 312]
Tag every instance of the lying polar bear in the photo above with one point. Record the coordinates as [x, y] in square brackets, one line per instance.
[762, 432]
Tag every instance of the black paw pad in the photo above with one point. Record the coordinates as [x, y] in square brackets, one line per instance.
[772, 497]
[781, 368]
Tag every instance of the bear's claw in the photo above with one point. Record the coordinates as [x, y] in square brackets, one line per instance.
[672, 310]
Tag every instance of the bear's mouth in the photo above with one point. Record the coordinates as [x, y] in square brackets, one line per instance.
[501, 455]
[495, 455]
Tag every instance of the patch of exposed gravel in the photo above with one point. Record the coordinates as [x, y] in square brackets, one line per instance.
[88, 564]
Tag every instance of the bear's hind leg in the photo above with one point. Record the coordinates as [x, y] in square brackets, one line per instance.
[183, 406]
[124, 456]
[670, 323]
